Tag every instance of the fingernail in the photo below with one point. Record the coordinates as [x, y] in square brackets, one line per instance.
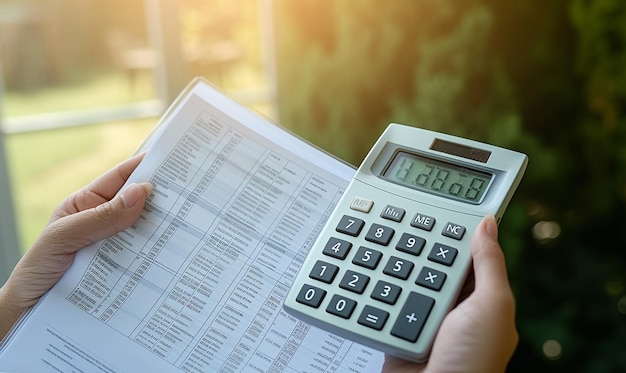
[491, 227]
[148, 187]
[131, 195]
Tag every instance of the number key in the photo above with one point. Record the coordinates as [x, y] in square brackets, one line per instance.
[311, 296]
[379, 234]
[337, 248]
[354, 281]
[324, 272]
[411, 244]
[341, 306]
[398, 267]
[386, 292]
[366, 257]
[350, 225]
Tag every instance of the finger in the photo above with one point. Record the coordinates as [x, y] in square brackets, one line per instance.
[100, 190]
[491, 283]
[489, 263]
[468, 287]
[83, 228]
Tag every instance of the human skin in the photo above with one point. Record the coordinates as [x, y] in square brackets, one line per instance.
[88, 215]
[479, 335]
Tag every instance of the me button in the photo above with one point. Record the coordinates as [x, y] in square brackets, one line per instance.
[453, 231]
[422, 221]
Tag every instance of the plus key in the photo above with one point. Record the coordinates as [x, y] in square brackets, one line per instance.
[412, 317]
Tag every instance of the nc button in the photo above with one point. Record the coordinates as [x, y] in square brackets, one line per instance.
[453, 231]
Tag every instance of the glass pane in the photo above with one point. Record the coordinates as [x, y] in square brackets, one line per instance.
[66, 61]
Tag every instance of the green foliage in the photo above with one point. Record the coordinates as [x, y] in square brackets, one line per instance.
[545, 78]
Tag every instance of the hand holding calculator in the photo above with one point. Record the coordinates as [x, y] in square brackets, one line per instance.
[391, 260]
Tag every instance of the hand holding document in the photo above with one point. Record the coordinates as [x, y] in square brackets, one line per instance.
[197, 284]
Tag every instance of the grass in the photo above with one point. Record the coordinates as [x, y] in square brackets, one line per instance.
[100, 90]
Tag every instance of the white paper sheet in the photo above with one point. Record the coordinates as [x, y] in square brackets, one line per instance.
[197, 284]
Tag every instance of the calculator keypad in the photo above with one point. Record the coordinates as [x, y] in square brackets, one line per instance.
[427, 273]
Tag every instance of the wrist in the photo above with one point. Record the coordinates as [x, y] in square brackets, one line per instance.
[10, 312]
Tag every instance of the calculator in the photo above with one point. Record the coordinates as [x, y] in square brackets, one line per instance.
[394, 254]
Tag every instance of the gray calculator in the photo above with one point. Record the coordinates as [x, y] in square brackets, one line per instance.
[393, 256]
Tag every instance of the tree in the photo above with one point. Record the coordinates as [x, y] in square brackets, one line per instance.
[546, 78]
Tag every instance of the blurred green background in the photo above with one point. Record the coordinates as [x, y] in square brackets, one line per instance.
[547, 78]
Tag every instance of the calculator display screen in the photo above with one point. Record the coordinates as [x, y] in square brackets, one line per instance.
[439, 177]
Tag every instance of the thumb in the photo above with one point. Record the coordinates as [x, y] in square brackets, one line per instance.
[489, 261]
[83, 228]
[491, 285]
[53, 252]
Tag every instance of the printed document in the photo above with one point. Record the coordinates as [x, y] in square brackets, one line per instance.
[197, 283]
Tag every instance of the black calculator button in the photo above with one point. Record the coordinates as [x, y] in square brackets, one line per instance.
[379, 234]
[366, 257]
[350, 225]
[411, 244]
[442, 254]
[311, 296]
[386, 292]
[324, 272]
[398, 267]
[373, 317]
[422, 221]
[431, 278]
[392, 213]
[337, 248]
[412, 317]
[341, 306]
[453, 231]
[354, 281]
